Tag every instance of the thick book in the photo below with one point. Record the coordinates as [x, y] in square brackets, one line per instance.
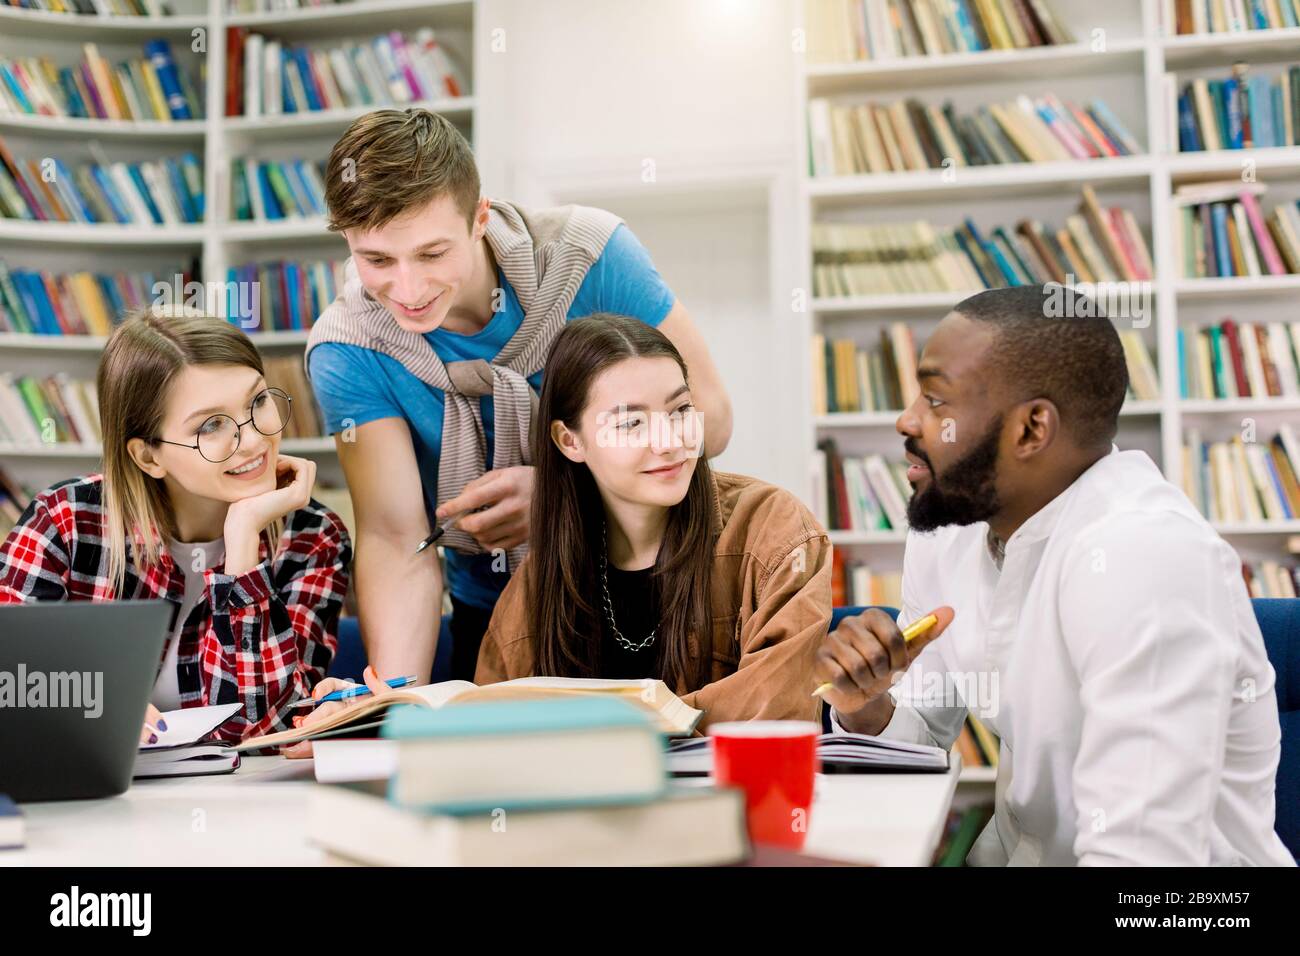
[525, 755]
[672, 715]
[686, 827]
[837, 753]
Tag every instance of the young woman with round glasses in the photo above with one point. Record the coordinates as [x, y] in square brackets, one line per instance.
[195, 505]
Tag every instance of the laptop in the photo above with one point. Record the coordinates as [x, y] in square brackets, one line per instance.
[75, 678]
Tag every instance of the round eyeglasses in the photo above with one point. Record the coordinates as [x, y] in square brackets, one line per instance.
[217, 439]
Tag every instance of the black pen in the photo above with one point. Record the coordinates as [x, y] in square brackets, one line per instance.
[442, 529]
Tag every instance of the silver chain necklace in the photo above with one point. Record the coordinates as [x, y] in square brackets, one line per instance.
[609, 607]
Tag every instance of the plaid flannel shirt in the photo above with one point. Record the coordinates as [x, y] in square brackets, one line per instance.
[262, 639]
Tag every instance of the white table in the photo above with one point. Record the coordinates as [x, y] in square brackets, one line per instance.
[256, 817]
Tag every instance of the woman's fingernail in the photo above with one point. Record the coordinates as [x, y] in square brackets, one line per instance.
[153, 738]
[162, 724]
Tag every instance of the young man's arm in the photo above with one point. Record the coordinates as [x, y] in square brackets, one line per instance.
[399, 592]
[707, 391]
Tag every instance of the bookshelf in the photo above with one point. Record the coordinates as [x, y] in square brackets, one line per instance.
[1122, 55]
[219, 243]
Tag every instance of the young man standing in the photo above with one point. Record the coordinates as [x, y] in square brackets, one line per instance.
[429, 363]
[1087, 613]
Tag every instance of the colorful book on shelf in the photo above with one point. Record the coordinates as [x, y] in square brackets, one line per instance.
[848, 139]
[880, 379]
[1189, 17]
[44, 411]
[1240, 111]
[1272, 579]
[149, 88]
[1240, 360]
[290, 295]
[271, 190]
[1223, 231]
[160, 192]
[1238, 481]
[843, 31]
[39, 302]
[864, 493]
[267, 78]
[883, 258]
[117, 8]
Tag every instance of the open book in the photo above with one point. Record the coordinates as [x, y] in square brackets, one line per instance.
[672, 715]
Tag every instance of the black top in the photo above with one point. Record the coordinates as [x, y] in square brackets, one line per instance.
[636, 612]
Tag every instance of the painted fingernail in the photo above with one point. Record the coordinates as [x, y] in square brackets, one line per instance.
[153, 738]
[162, 724]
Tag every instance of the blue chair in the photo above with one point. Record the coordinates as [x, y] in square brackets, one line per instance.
[350, 658]
[1279, 622]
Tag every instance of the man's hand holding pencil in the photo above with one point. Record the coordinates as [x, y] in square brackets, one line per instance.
[863, 657]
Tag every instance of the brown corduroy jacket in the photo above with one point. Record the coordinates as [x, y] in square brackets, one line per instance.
[771, 597]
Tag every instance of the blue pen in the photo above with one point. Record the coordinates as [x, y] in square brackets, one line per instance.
[359, 691]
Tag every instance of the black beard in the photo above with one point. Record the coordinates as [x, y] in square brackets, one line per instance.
[965, 493]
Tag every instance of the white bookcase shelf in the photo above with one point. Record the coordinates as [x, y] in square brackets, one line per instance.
[1133, 50]
[217, 138]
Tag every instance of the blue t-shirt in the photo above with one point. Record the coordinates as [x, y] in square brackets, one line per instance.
[355, 385]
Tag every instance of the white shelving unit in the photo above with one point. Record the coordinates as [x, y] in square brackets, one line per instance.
[1128, 73]
[219, 243]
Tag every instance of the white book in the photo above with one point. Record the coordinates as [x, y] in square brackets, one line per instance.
[886, 491]
[1290, 445]
[1252, 360]
[130, 194]
[1247, 497]
[24, 430]
[1271, 502]
[255, 199]
[1192, 478]
[156, 179]
[254, 49]
[1247, 239]
[374, 74]
[69, 392]
[346, 78]
[1280, 350]
[272, 86]
[819, 137]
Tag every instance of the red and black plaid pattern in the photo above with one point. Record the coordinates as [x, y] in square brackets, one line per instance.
[262, 639]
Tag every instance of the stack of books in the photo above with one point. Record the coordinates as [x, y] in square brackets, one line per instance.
[40, 302]
[58, 409]
[269, 190]
[165, 191]
[845, 140]
[580, 781]
[292, 293]
[1097, 245]
[863, 494]
[1272, 579]
[1240, 360]
[265, 78]
[1239, 481]
[842, 31]
[101, 8]
[1239, 112]
[1229, 16]
[849, 379]
[857, 584]
[152, 88]
[1222, 231]
[14, 499]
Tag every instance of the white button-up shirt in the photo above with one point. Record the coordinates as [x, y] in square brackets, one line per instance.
[1116, 655]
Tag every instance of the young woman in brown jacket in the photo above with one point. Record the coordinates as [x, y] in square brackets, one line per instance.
[644, 562]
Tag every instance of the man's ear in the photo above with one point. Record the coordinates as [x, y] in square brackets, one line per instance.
[142, 453]
[1039, 422]
[569, 444]
[480, 224]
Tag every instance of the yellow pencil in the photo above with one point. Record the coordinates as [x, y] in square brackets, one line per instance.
[913, 630]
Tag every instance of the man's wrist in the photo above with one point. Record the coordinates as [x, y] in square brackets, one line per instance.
[871, 718]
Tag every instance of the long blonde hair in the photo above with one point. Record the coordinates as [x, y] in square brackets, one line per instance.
[141, 359]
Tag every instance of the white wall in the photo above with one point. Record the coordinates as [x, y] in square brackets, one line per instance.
[678, 115]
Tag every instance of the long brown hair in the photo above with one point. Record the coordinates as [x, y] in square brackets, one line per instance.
[567, 519]
[141, 358]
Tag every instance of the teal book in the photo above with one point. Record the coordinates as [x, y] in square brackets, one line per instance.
[525, 755]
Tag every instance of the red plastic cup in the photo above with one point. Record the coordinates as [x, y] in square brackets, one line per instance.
[775, 763]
